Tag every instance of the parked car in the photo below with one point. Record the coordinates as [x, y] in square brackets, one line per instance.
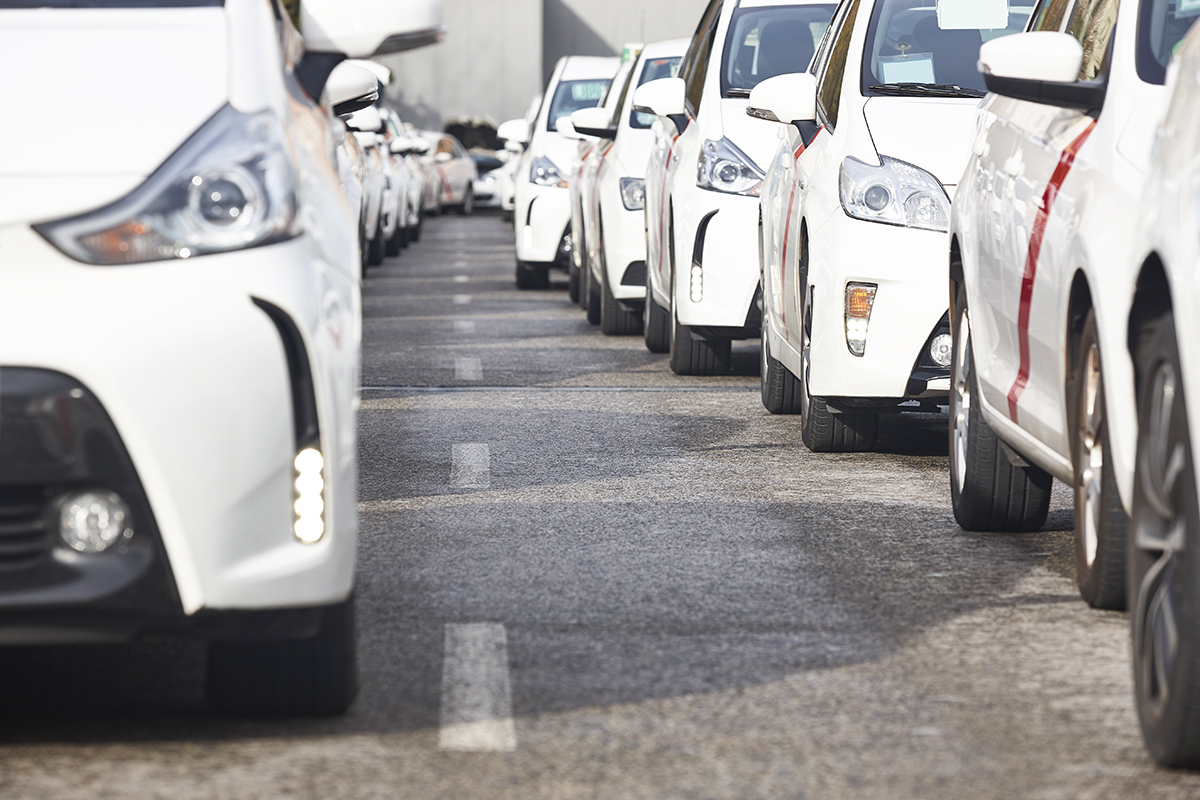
[364, 125]
[508, 188]
[180, 337]
[705, 174]
[542, 202]
[615, 223]
[1041, 280]
[489, 181]
[410, 178]
[1164, 593]
[452, 172]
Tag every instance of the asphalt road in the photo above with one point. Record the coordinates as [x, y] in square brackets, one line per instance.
[583, 577]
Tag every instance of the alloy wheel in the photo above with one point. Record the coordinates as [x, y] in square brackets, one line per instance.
[960, 401]
[1091, 452]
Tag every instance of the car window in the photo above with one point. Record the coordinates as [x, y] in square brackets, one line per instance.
[652, 70]
[1092, 24]
[765, 42]
[620, 85]
[829, 88]
[445, 146]
[906, 44]
[1161, 27]
[1050, 15]
[570, 96]
[695, 63]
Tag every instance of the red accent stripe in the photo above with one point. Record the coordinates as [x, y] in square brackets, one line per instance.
[445, 183]
[787, 230]
[1065, 162]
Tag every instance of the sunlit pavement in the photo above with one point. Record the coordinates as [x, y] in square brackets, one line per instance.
[581, 576]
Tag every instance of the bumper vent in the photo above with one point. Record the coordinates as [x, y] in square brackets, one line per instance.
[24, 539]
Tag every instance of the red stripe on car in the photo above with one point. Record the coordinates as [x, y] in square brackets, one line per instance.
[1065, 162]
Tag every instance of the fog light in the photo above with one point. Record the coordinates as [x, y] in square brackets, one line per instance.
[697, 287]
[310, 503]
[860, 301]
[940, 349]
[94, 521]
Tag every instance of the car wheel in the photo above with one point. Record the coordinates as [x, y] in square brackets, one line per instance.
[655, 324]
[467, 206]
[507, 215]
[1100, 520]
[375, 249]
[824, 431]
[780, 389]
[289, 677]
[615, 319]
[989, 491]
[396, 241]
[532, 276]
[592, 306]
[574, 273]
[1164, 586]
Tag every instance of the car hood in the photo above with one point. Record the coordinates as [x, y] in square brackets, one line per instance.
[562, 151]
[934, 134]
[755, 138]
[128, 86]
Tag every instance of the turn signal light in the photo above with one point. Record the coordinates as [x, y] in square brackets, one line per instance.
[860, 301]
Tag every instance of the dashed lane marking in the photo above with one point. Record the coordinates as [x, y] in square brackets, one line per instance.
[476, 690]
[468, 369]
[461, 279]
[464, 326]
[470, 466]
[462, 299]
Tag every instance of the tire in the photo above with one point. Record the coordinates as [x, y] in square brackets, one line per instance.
[1164, 574]
[655, 324]
[1100, 520]
[988, 491]
[532, 276]
[615, 319]
[507, 215]
[780, 388]
[397, 241]
[414, 233]
[467, 207]
[375, 249]
[573, 282]
[291, 677]
[593, 297]
[691, 355]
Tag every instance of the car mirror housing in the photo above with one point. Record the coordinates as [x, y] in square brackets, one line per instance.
[790, 98]
[594, 122]
[401, 146]
[565, 128]
[442, 158]
[367, 120]
[663, 97]
[1040, 67]
[349, 89]
[367, 28]
[515, 130]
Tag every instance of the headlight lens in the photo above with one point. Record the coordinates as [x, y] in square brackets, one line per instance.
[895, 193]
[545, 173]
[633, 194]
[229, 187]
[722, 167]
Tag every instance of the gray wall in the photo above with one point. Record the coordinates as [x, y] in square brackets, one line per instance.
[499, 53]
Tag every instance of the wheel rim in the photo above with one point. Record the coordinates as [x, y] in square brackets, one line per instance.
[763, 358]
[1091, 453]
[961, 401]
[805, 374]
[1159, 536]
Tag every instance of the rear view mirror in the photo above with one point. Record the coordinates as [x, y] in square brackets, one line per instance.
[593, 122]
[421, 146]
[515, 130]
[785, 98]
[663, 97]
[401, 146]
[1040, 67]
[350, 88]
[565, 128]
[442, 158]
[367, 28]
[367, 120]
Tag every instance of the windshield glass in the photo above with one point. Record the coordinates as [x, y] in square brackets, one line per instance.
[1162, 27]
[906, 44]
[653, 69]
[765, 42]
[570, 96]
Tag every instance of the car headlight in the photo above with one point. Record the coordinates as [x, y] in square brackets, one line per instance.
[633, 194]
[230, 186]
[722, 167]
[545, 173]
[895, 193]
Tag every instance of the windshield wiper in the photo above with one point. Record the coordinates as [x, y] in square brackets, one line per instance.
[925, 90]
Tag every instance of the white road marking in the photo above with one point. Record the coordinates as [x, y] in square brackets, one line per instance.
[476, 690]
[464, 326]
[468, 369]
[470, 466]
[461, 279]
[462, 299]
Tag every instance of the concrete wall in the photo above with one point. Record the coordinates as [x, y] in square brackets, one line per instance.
[499, 53]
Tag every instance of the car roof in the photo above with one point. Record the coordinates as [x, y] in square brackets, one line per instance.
[582, 68]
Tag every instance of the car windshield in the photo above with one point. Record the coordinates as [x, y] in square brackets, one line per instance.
[653, 69]
[910, 52]
[570, 96]
[770, 41]
[1162, 27]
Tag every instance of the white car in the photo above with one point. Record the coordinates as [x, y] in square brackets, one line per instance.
[508, 188]
[705, 173]
[490, 181]
[614, 285]
[1164, 593]
[542, 204]
[364, 126]
[1041, 280]
[409, 175]
[180, 326]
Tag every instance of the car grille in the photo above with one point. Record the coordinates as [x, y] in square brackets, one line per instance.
[24, 539]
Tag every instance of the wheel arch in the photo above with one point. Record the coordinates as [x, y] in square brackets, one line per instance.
[1079, 303]
[1151, 299]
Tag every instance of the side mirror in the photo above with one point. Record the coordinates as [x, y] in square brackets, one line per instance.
[514, 147]
[366, 120]
[350, 88]
[421, 146]
[785, 98]
[442, 158]
[1041, 67]
[515, 130]
[663, 97]
[401, 146]
[565, 128]
[595, 122]
[367, 28]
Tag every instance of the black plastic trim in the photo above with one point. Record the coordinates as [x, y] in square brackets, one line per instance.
[1087, 96]
[635, 274]
[307, 426]
[314, 69]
